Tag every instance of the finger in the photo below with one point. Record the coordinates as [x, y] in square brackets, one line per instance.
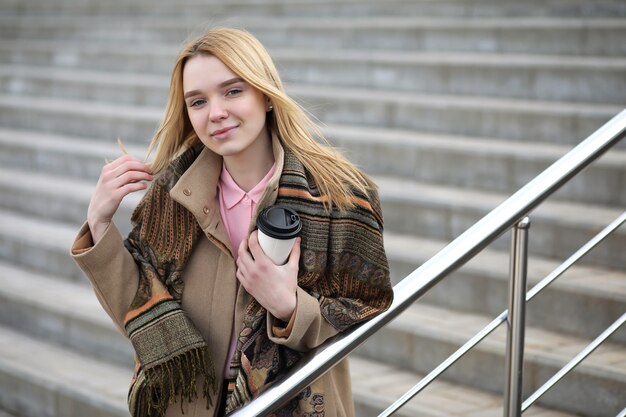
[243, 248]
[241, 277]
[253, 244]
[119, 161]
[294, 255]
[245, 257]
[131, 177]
[129, 166]
[118, 167]
[131, 188]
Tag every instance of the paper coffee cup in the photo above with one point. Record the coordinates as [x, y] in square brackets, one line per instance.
[278, 228]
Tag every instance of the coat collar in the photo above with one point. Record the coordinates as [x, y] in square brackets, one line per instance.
[196, 190]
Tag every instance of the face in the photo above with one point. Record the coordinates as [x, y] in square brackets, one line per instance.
[227, 113]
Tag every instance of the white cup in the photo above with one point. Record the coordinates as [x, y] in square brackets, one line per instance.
[278, 228]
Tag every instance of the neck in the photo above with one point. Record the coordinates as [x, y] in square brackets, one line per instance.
[248, 169]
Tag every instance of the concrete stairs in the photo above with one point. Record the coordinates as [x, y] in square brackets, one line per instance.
[450, 105]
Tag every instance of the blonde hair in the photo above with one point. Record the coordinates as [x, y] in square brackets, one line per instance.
[245, 56]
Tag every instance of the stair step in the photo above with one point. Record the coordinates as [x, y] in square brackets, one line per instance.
[86, 327]
[511, 119]
[44, 244]
[39, 244]
[94, 55]
[42, 152]
[481, 286]
[524, 120]
[38, 379]
[494, 164]
[85, 84]
[552, 78]
[64, 383]
[5, 414]
[565, 123]
[332, 8]
[73, 298]
[21, 287]
[66, 314]
[549, 78]
[558, 228]
[53, 197]
[436, 211]
[133, 124]
[599, 37]
[574, 36]
[146, 89]
[425, 335]
[376, 385]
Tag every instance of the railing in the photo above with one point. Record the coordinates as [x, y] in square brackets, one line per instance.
[512, 405]
[453, 256]
[487, 330]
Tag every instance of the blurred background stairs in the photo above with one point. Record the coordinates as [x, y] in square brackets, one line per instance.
[451, 105]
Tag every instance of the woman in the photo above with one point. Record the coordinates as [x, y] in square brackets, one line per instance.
[213, 321]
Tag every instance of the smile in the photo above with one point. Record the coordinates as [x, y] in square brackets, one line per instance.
[223, 132]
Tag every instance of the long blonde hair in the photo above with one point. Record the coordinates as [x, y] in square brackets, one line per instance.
[245, 56]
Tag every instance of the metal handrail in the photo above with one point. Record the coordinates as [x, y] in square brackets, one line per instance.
[453, 256]
[495, 323]
[574, 362]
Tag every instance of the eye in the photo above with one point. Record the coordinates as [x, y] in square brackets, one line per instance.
[197, 102]
[234, 91]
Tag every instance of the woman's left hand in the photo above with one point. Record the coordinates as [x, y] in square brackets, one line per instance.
[273, 286]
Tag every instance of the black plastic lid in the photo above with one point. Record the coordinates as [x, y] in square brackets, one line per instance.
[279, 222]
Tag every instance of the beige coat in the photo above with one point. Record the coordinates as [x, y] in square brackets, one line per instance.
[211, 298]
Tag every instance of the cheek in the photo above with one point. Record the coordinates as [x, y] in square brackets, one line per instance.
[256, 108]
[257, 113]
[196, 122]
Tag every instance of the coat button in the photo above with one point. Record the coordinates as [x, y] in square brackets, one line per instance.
[187, 192]
[205, 210]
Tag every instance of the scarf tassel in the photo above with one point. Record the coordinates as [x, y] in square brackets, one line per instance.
[176, 377]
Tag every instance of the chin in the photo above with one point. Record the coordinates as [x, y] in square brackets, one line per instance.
[225, 149]
[220, 147]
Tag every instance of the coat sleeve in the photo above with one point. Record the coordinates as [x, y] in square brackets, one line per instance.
[354, 287]
[306, 329]
[110, 268]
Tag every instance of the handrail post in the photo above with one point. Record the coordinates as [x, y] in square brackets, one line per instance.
[516, 320]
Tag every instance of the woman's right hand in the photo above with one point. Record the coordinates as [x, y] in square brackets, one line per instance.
[118, 179]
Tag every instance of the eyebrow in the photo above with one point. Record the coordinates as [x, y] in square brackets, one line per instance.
[220, 85]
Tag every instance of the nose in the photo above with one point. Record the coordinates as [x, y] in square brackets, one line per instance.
[217, 111]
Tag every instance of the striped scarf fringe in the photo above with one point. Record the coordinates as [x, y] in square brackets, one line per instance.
[176, 380]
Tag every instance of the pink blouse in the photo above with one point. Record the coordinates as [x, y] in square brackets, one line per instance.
[237, 208]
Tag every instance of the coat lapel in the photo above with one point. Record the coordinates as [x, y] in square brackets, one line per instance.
[196, 190]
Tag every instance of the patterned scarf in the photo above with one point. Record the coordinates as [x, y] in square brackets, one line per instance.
[343, 265]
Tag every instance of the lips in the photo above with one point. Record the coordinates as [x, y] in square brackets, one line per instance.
[222, 132]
